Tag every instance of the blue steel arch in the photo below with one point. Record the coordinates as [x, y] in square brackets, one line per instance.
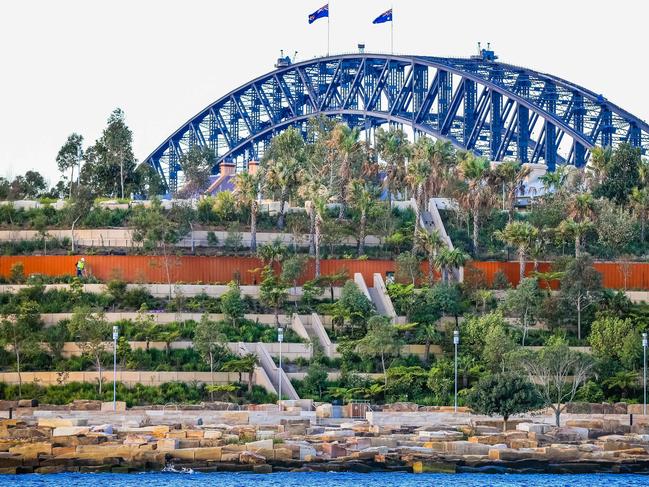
[494, 109]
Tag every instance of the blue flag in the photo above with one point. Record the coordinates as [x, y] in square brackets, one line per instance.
[384, 17]
[320, 13]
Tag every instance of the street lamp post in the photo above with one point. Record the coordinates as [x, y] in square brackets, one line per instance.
[115, 337]
[456, 342]
[644, 374]
[280, 339]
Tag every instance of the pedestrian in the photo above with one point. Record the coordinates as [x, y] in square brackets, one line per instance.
[81, 264]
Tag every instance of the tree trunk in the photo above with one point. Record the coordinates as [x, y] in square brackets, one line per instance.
[317, 246]
[577, 245]
[71, 178]
[253, 226]
[505, 418]
[20, 379]
[417, 217]
[121, 175]
[521, 265]
[361, 238]
[99, 370]
[431, 265]
[312, 217]
[557, 415]
[212, 374]
[166, 261]
[642, 226]
[427, 351]
[476, 224]
[250, 375]
[385, 376]
[282, 204]
[579, 317]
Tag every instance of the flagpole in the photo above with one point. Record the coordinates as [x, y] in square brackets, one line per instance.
[328, 17]
[392, 30]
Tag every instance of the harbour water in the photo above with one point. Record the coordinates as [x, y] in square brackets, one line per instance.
[320, 480]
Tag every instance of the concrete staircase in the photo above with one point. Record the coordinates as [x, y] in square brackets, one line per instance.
[272, 371]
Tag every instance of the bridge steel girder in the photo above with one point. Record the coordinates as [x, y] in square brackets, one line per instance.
[494, 109]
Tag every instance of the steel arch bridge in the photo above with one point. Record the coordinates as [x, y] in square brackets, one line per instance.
[494, 109]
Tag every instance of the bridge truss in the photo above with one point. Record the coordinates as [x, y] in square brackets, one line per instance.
[497, 110]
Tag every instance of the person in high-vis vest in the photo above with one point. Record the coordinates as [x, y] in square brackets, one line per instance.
[81, 264]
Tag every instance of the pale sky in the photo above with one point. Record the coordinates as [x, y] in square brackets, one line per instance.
[66, 64]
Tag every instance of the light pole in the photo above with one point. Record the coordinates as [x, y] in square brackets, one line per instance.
[280, 339]
[456, 342]
[115, 337]
[644, 374]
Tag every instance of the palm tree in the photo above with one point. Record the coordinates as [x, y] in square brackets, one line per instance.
[640, 202]
[363, 197]
[553, 180]
[511, 175]
[520, 235]
[317, 195]
[479, 196]
[282, 163]
[600, 162]
[273, 252]
[246, 194]
[570, 228]
[344, 144]
[431, 242]
[447, 260]
[394, 148]
[429, 335]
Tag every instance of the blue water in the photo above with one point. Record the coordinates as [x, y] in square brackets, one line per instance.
[320, 480]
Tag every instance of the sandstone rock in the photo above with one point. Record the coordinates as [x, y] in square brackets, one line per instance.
[263, 468]
[102, 428]
[265, 435]
[31, 451]
[167, 444]
[251, 458]
[334, 450]
[178, 434]
[567, 433]
[466, 448]
[508, 454]
[108, 406]
[28, 403]
[70, 431]
[258, 445]
[211, 454]
[324, 411]
[61, 422]
[488, 440]
[517, 443]
[283, 454]
[137, 440]
[402, 407]
[85, 405]
[212, 434]
[441, 435]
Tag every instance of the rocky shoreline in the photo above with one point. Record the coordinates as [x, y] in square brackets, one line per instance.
[264, 440]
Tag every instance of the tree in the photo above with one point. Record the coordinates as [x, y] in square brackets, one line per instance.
[581, 287]
[208, 341]
[427, 332]
[558, 373]
[317, 196]
[281, 167]
[431, 243]
[621, 173]
[70, 156]
[245, 364]
[77, 207]
[20, 332]
[497, 347]
[347, 150]
[292, 270]
[569, 228]
[478, 197]
[615, 227]
[448, 261]
[503, 394]
[613, 338]
[362, 197]
[315, 379]
[407, 267]
[524, 302]
[381, 341]
[272, 291]
[393, 147]
[640, 203]
[196, 164]
[418, 173]
[91, 331]
[232, 306]
[355, 305]
[520, 235]
[110, 164]
[155, 229]
[246, 194]
[511, 174]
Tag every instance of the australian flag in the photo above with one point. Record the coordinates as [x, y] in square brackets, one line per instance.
[320, 13]
[384, 17]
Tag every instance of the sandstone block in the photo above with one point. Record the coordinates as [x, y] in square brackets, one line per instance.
[108, 406]
[251, 458]
[508, 454]
[466, 448]
[212, 434]
[263, 468]
[334, 450]
[258, 445]
[186, 454]
[283, 454]
[212, 454]
[167, 444]
[61, 422]
[488, 440]
[567, 433]
[31, 451]
[441, 435]
[178, 434]
[534, 427]
[70, 431]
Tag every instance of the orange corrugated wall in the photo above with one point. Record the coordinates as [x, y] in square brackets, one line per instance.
[222, 269]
